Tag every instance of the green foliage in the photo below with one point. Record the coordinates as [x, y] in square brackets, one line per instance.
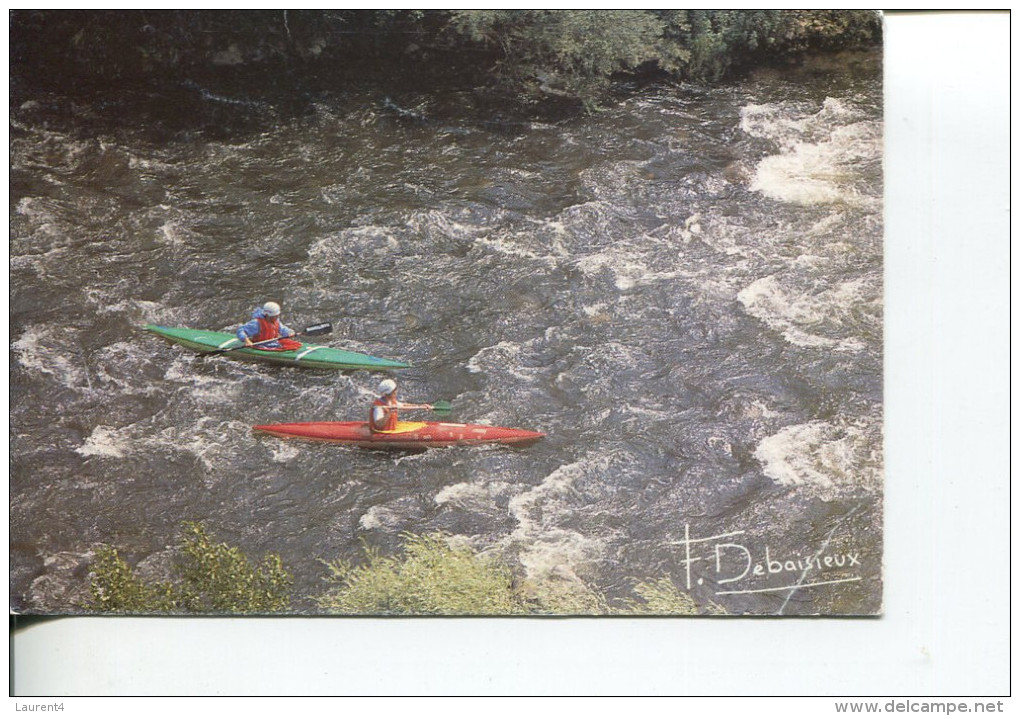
[215, 577]
[574, 54]
[721, 40]
[431, 577]
[208, 577]
[662, 597]
[553, 595]
[571, 53]
[116, 589]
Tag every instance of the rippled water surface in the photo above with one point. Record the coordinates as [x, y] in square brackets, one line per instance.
[684, 292]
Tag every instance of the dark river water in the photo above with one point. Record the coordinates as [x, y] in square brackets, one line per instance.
[683, 291]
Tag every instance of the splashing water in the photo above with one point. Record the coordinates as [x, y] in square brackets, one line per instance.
[684, 292]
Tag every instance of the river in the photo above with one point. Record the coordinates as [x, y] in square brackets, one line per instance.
[683, 291]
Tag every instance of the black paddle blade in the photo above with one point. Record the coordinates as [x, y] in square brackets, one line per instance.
[319, 329]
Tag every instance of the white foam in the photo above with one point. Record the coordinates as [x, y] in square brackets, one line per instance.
[209, 389]
[821, 155]
[379, 517]
[105, 442]
[544, 547]
[211, 441]
[284, 452]
[30, 206]
[556, 554]
[505, 357]
[441, 223]
[509, 246]
[758, 410]
[380, 240]
[800, 316]
[145, 311]
[463, 494]
[116, 365]
[827, 459]
[646, 413]
[630, 263]
[143, 163]
[799, 178]
[721, 444]
[174, 233]
[46, 350]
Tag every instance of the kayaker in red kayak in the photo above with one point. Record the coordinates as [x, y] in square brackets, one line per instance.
[266, 329]
[383, 415]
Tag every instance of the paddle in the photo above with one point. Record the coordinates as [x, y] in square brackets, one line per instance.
[319, 329]
[442, 407]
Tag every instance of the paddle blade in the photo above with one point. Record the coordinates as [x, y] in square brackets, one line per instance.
[319, 329]
[442, 406]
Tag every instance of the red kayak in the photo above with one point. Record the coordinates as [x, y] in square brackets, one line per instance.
[406, 436]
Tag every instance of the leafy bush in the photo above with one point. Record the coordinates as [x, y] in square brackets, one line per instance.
[721, 40]
[115, 588]
[215, 577]
[567, 53]
[431, 577]
[207, 577]
[576, 52]
[662, 597]
[571, 53]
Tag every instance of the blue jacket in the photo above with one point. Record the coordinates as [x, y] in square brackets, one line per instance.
[251, 329]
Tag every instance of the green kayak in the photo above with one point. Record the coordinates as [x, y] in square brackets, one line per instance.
[308, 356]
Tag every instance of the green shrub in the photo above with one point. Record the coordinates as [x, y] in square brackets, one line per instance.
[115, 588]
[555, 595]
[577, 52]
[567, 53]
[207, 577]
[430, 577]
[215, 577]
[571, 53]
[662, 597]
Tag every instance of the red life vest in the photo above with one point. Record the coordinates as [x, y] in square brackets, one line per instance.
[389, 422]
[270, 329]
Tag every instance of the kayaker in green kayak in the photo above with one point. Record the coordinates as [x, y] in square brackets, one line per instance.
[383, 415]
[265, 326]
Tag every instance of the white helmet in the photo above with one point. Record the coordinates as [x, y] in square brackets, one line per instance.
[387, 386]
[272, 308]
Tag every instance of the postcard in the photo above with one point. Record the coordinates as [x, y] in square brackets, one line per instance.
[508, 312]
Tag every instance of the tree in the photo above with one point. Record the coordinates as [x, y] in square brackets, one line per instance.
[572, 53]
[576, 53]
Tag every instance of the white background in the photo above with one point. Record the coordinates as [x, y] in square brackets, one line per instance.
[945, 630]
